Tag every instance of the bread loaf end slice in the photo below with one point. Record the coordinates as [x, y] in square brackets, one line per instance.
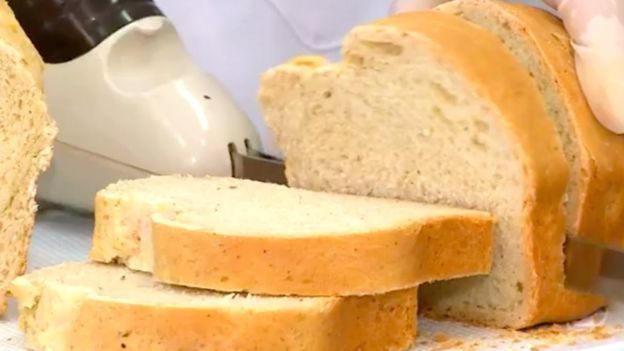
[595, 203]
[595, 193]
[27, 134]
[87, 306]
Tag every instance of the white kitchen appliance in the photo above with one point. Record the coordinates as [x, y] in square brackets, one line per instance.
[127, 98]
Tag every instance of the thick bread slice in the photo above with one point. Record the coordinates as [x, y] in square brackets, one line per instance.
[428, 107]
[14, 35]
[26, 133]
[229, 234]
[595, 206]
[94, 307]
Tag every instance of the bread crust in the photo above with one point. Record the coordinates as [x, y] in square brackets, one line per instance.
[439, 248]
[100, 323]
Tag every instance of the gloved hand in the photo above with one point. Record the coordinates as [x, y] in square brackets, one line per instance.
[597, 31]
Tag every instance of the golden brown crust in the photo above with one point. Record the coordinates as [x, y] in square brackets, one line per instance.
[323, 265]
[311, 61]
[371, 323]
[552, 42]
[545, 168]
[600, 215]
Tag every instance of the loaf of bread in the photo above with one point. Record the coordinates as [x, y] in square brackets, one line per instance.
[595, 194]
[230, 235]
[27, 134]
[88, 307]
[429, 107]
[595, 200]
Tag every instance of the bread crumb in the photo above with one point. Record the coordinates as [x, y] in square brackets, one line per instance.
[540, 338]
[439, 337]
[449, 344]
[600, 333]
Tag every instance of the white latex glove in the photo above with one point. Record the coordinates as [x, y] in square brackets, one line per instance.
[597, 31]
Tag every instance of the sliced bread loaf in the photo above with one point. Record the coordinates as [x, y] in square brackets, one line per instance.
[87, 306]
[27, 134]
[428, 107]
[229, 234]
[595, 193]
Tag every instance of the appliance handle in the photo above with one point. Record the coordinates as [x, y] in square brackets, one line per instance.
[63, 30]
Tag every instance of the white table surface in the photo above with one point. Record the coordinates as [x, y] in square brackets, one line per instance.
[61, 236]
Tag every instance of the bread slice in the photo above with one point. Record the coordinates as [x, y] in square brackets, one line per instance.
[428, 107]
[595, 194]
[208, 232]
[87, 306]
[27, 134]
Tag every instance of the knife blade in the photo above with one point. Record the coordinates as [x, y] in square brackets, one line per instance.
[594, 269]
[256, 165]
